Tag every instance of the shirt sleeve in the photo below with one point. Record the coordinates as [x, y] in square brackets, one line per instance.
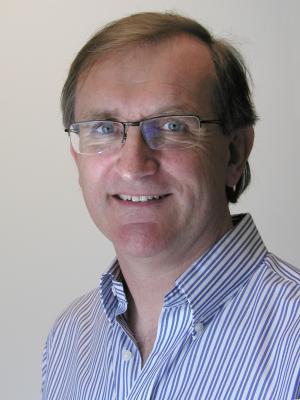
[45, 366]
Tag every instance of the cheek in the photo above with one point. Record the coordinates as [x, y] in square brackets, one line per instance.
[90, 180]
[204, 173]
[91, 169]
[191, 167]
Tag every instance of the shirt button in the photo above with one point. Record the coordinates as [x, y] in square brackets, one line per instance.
[199, 327]
[127, 355]
[114, 292]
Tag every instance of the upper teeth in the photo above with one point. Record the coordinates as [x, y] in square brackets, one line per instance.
[138, 198]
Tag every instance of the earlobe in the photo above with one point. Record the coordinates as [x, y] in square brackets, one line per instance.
[240, 148]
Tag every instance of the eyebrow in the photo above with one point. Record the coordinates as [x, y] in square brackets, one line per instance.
[112, 115]
[179, 109]
[99, 115]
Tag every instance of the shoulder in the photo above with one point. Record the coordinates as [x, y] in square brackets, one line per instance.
[279, 284]
[71, 341]
[287, 273]
[79, 316]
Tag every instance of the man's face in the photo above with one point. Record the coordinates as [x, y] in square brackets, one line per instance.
[173, 77]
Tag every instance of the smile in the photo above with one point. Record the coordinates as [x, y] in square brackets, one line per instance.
[138, 199]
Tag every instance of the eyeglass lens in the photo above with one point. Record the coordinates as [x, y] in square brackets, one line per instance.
[93, 137]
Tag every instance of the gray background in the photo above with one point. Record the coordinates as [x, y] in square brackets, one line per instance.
[50, 250]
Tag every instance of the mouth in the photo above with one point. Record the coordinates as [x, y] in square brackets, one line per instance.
[140, 198]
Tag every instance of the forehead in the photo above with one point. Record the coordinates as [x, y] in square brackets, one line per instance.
[176, 73]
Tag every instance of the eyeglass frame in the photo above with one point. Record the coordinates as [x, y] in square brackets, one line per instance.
[138, 123]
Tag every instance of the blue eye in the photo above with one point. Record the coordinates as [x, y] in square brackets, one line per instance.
[173, 126]
[104, 128]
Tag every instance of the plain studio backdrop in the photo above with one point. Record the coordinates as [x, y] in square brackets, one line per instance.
[50, 250]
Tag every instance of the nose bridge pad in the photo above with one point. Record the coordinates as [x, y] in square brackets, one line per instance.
[125, 133]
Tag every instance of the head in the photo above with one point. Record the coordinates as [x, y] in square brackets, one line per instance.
[164, 203]
[231, 95]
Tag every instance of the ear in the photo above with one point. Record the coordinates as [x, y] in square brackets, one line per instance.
[240, 147]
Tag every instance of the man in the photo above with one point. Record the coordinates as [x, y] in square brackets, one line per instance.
[160, 119]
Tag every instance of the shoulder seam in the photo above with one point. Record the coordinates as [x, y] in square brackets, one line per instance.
[282, 268]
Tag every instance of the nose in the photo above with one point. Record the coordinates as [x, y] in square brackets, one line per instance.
[135, 159]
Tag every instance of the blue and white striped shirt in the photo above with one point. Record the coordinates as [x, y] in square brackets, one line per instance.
[229, 329]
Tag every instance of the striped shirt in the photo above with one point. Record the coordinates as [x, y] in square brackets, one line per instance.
[229, 329]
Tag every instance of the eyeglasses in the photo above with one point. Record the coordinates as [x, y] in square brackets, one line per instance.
[162, 132]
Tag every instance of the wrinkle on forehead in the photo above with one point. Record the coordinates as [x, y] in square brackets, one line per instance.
[116, 115]
[175, 68]
[182, 48]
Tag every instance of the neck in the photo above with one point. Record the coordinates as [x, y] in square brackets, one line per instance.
[145, 295]
[149, 280]
[145, 276]
[147, 283]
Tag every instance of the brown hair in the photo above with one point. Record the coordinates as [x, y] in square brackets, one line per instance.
[231, 93]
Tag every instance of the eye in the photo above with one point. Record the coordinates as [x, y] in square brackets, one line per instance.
[103, 128]
[173, 126]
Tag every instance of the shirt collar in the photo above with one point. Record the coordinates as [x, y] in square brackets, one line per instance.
[112, 292]
[216, 277]
[209, 283]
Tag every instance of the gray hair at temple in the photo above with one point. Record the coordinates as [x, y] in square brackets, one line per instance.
[232, 100]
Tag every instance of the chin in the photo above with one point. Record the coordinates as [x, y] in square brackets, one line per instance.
[139, 240]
